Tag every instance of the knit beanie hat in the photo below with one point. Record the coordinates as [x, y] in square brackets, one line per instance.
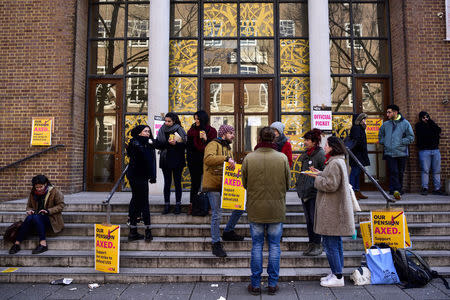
[278, 126]
[360, 117]
[225, 128]
[137, 130]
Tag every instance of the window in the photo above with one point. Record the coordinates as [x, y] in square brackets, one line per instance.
[137, 86]
[287, 28]
[212, 70]
[177, 25]
[248, 69]
[102, 31]
[357, 30]
[138, 29]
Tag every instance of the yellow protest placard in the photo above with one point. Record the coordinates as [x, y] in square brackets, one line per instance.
[10, 270]
[407, 237]
[366, 234]
[234, 195]
[41, 132]
[107, 248]
[372, 129]
[389, 227]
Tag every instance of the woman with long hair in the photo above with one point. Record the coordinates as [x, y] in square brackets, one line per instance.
[198, 136]
[334, 209]
[171, 140]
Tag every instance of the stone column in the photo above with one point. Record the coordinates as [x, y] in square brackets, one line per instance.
[158, 74]
[319, 54]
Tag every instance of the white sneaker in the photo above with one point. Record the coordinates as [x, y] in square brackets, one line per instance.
[333, 281]
[326, 277]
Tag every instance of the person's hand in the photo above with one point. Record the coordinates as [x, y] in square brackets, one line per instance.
[312, 169]
[172, 142]
[203, 135]
[43, 212]
[232, 163]
[30, 212]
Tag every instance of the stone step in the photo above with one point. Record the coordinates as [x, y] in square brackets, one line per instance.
[199, 259]
[157, 218]
[297, 244]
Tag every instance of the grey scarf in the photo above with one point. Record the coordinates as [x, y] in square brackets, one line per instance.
[171, 130]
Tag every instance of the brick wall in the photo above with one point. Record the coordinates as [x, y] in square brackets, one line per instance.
[421, 71]
[42, 73]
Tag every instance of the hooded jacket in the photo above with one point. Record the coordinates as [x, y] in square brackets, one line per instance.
[428, 134]
[215, 154]
[396, 135]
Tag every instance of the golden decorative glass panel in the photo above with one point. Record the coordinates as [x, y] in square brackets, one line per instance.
[256, 19]
[295, 127]
[219, 19]
[341, 94]
[295, 170]
[183, 57]
[183, 94]
[186, 121]
[342, 125]
[294, 56]
[132, 121]
[295, 94]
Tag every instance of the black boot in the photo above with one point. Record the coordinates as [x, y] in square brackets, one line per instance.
[231, 236]
[148, 235]
[177, 209]
[217, 250]
[134, 235]
[166, 209]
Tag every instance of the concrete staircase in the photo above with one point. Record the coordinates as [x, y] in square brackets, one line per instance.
[181, 251]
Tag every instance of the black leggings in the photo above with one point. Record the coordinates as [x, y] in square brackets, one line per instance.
[168, 182]
[139, 201]
[196, 172]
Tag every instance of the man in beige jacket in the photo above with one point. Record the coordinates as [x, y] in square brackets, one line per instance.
[266, 177]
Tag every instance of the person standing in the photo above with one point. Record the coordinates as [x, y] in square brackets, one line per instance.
[198, 136]
[217, 152]
[428, 135]
[141, 170]
[313, 157]
[171, 140]
[358, 145]
[281, 141]
[334, 209]
[395, 135]
[266, 177]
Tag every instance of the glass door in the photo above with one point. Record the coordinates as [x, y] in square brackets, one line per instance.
[104, 134]
[372, 97]
[246, 104]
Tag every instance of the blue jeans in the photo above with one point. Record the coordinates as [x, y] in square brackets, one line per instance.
[335, 253]
[216, 216]
[354, 177]
[40, 222]
[274, 232]
[430, 160]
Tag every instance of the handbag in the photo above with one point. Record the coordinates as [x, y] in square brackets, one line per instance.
[381, 266]
[11, 232]
[355, 203]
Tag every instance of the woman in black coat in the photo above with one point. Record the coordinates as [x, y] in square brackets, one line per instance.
[141, 170]
[357, 143]
[171, 140]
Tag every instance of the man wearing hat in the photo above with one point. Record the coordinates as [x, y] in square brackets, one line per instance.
[217, 152]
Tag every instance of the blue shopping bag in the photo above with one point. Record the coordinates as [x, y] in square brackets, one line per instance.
[381, 266]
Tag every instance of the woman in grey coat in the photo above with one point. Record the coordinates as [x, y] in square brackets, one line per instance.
[334, 210]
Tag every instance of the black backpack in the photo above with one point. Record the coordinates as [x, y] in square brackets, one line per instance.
[200, 205]
[413, 269]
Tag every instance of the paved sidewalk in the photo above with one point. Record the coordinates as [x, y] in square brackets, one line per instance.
[230, 291]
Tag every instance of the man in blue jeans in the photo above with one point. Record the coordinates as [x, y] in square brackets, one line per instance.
[266, 177]
[217, 152]
[428, 136]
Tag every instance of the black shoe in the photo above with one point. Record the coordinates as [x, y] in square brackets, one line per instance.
[272, 290]
[255, 291]
[424, 191]
[316, 250]
[39, 249]
[438, 192]
[217, 250]
[231, 236]
[177, 209]
[14, 249]
[134, 235]
[148, 235]
[166, 209]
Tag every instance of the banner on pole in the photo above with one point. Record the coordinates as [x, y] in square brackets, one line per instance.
[234, 196]
[107, 248]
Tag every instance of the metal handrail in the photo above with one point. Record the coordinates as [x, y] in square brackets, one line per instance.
[31, 156]
[108, 200]
[374, 181]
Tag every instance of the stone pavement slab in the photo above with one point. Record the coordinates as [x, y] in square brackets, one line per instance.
[140, 291]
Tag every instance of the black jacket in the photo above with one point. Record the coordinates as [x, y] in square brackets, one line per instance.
[428, 135]
[142, 159]
[171, 156]
[358, 144]
[305, 184]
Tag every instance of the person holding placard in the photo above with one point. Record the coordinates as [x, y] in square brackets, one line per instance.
[217, 152]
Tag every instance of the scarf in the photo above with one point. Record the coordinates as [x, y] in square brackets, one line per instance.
[266, 145]
[311, 151]
[327, 156]
[280, 141]
[161, 137]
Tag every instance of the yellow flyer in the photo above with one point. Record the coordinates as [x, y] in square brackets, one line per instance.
[366, 234]
[41, 132]
[234, 196]
[372, 129]
[389, 227]
[107, 248]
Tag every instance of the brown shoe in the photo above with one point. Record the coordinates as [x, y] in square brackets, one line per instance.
[254, 290]
[272, 290]
[359, 195]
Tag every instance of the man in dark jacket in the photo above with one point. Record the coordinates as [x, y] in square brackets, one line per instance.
[428, 135]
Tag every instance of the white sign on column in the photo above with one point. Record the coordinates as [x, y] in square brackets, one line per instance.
[158, 75]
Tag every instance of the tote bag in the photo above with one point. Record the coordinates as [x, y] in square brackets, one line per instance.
[381, 266]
